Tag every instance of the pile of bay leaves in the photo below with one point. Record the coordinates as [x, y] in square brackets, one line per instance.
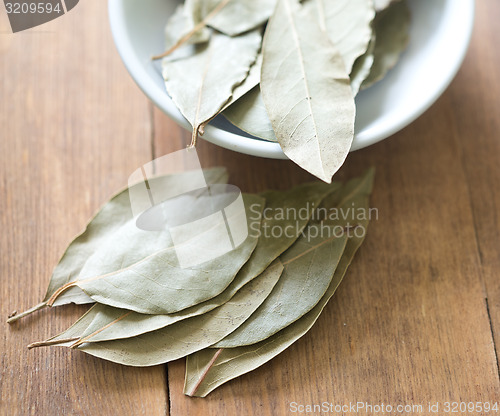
[283, 70]
[228, 315]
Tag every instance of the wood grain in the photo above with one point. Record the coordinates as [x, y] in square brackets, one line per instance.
[475, 104]
[415, 320]
[73, 127]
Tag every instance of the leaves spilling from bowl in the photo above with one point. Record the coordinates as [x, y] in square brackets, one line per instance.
[229, 314]
[282, 70]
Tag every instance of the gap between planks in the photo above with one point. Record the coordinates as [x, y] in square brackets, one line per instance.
[492, 336]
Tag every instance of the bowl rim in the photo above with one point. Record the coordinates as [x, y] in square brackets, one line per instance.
[262, 148]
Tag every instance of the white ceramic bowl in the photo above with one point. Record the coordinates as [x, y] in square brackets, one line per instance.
[440, 35]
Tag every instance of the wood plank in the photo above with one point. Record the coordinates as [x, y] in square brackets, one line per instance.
[476, 109]
[73, 127]
[409, 324]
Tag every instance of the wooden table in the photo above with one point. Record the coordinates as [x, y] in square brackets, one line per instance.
[415, 320]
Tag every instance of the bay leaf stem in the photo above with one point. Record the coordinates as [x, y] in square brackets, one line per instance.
[27, 312]
[56, 294]
[53, 342]
[205, 372]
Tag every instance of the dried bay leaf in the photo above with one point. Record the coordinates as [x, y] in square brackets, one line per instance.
[312, 112]
[127, 244]
[302, 285]
[231, 17]
[98, 232]
[391, 27]
[130, 244]
[250, 115]
[291, 223]
[182, 22]
[209, 368]
[201, 84]
[347, 24]
[362, 67]
[157, 284]
[237, 16]
[251, 81]
[72, 334]
[103, 322]
[190, 335]
[309, 267]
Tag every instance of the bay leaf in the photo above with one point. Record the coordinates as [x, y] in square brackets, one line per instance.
[70, 335]
[288, 213]
[250, 115]
[362, 67]
[190, 335]
[312, 112]
[391, 27]
[103, 322]
[347, 24]
[237, 16]
[202, 83]
[158, 284]
[309, 264]
[130, 244]
[182, 22]
[231, 17]
[303, 283]
[251, 81]
[100, 229]
[209, 368]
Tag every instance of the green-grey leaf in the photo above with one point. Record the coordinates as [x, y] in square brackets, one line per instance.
[202, 83]
[251, 81]
[130, 244]
[391, 28]
[300, 288]
[111, 245]
[362, 67]
[312, 112]
[209, 368]
[279, 215]
[250, 115]
[348, 25]
[181, 23]
[249, 112]
[158, 284]
[309, 267]
[103, 322]
[100, 229]
[236, 16]
[189, 335]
